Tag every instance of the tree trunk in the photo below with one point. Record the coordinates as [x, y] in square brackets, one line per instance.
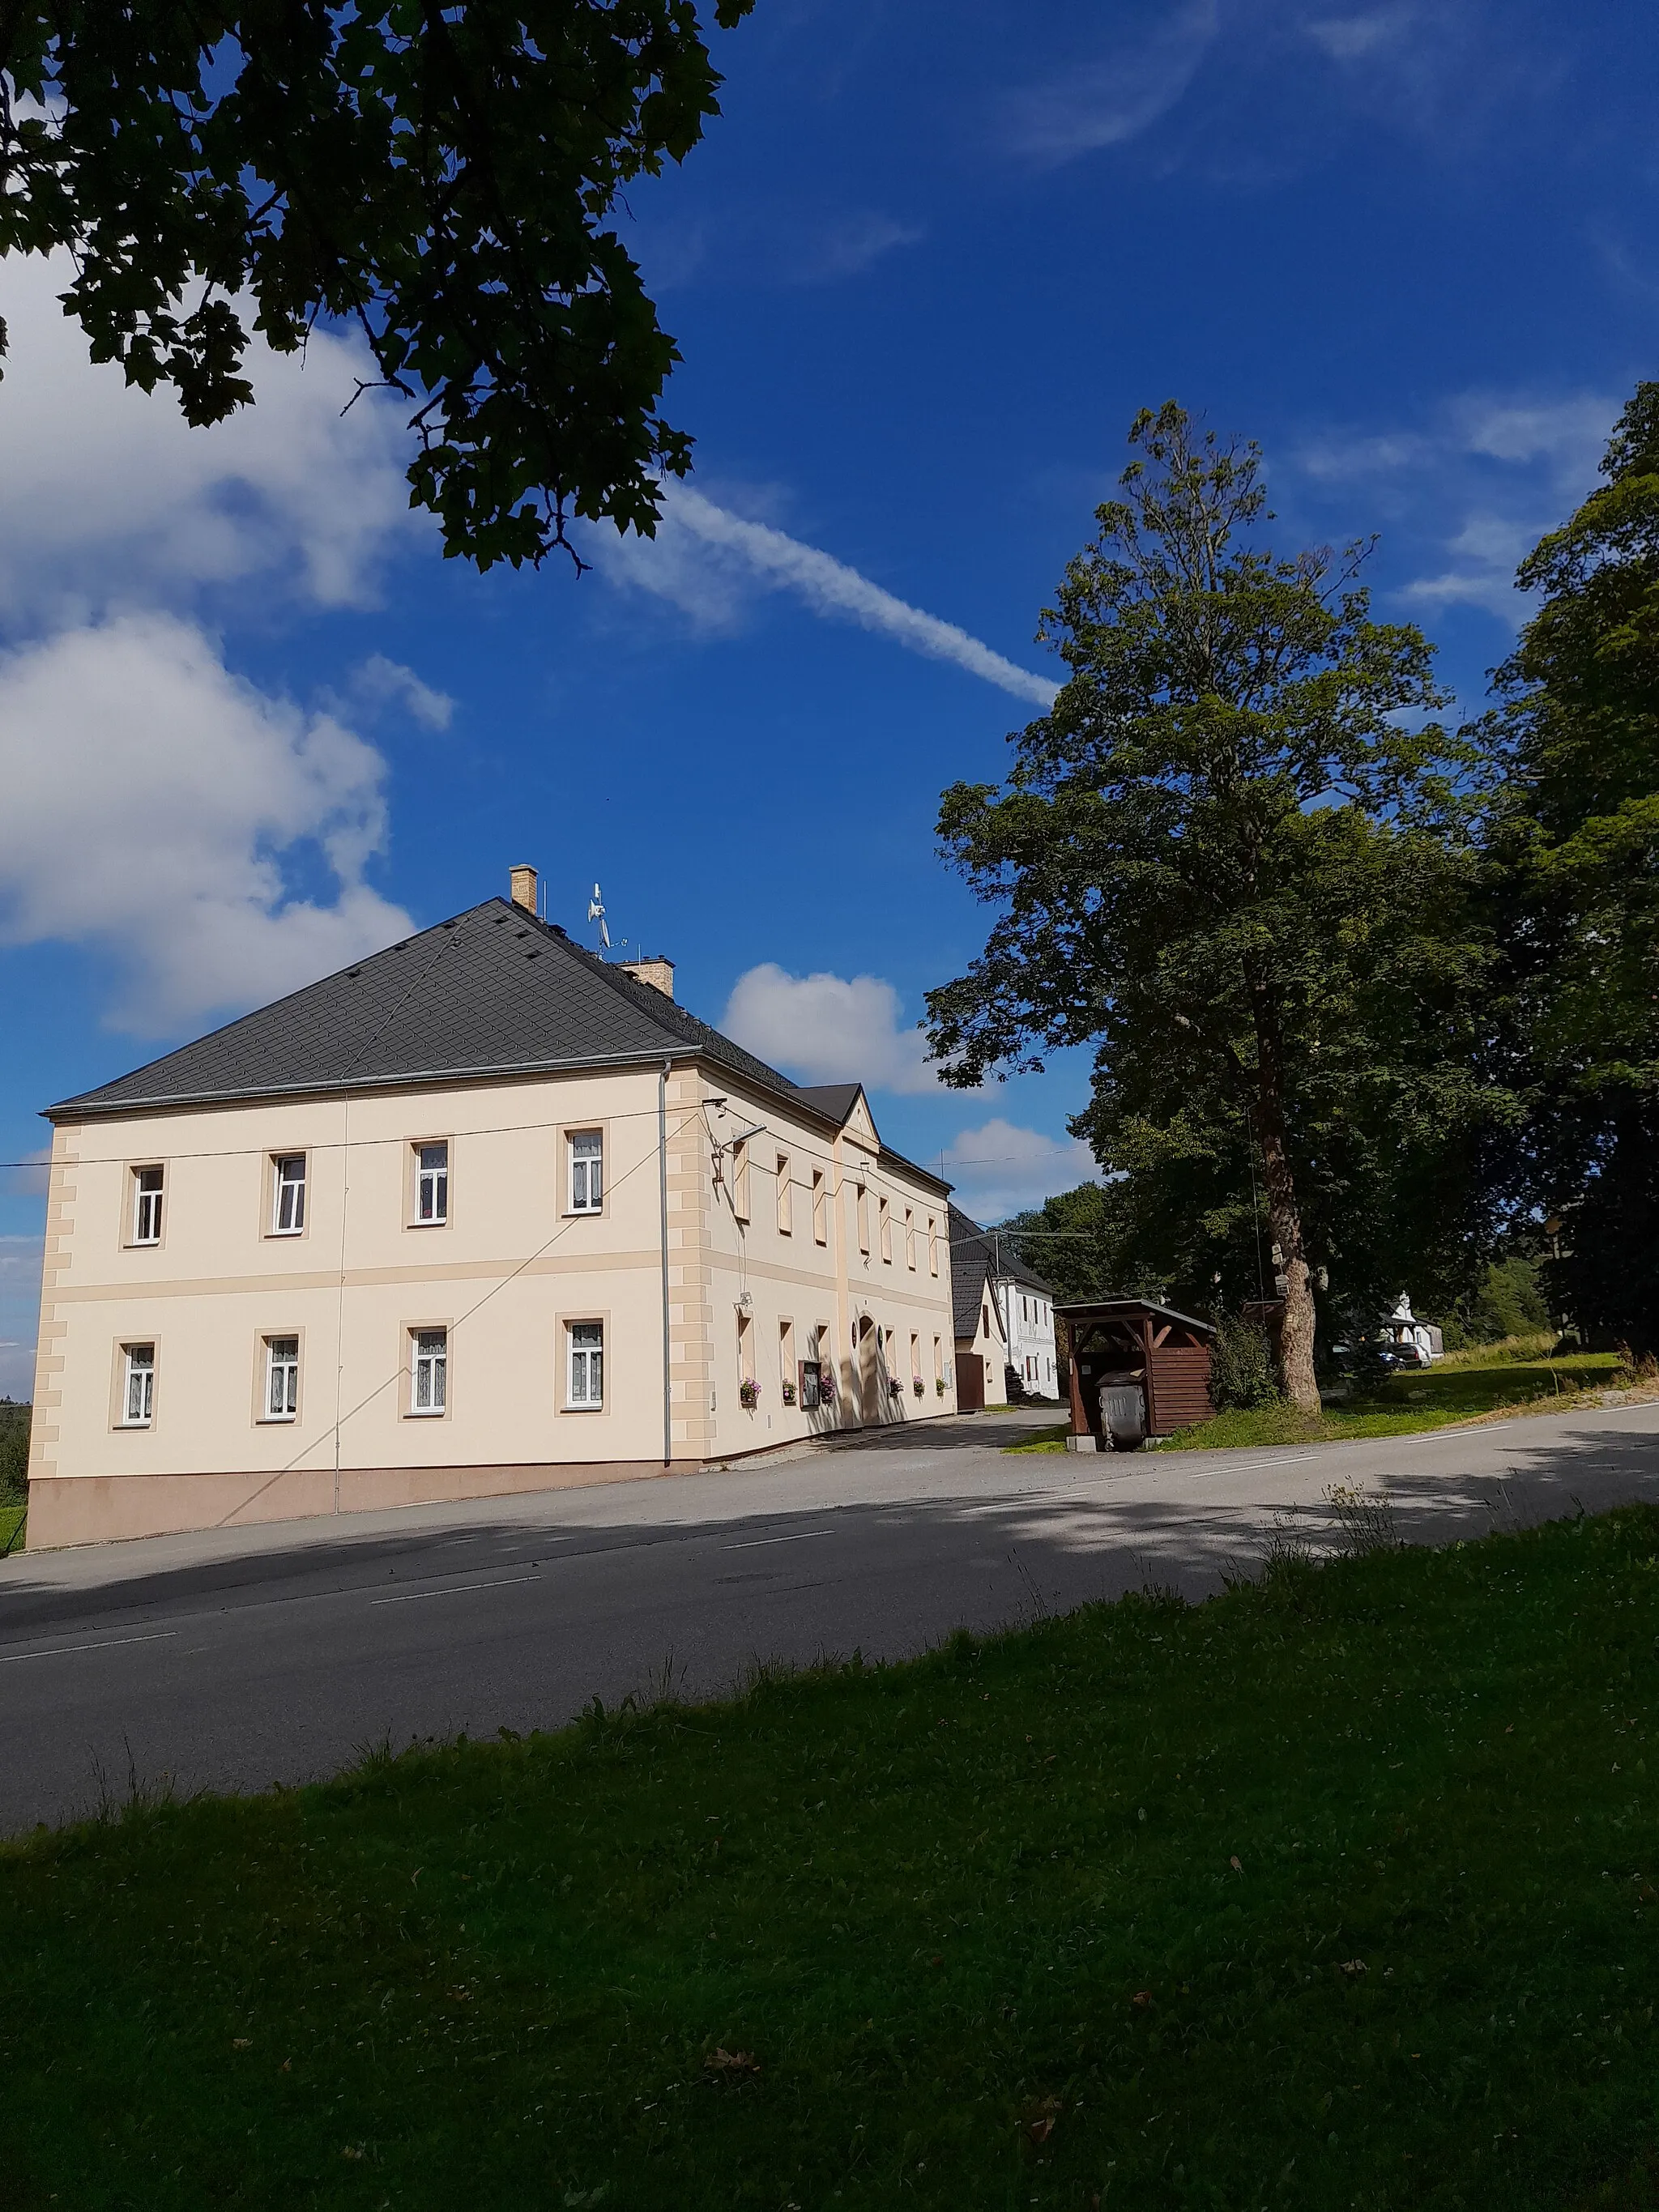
[1296, 1335]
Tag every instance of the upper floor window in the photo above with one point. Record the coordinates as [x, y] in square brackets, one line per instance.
[886, 1221]
[147, 1206]
[281, 1377]
[820, 1209]
[429, 1381]
[587, 1171]
[432, 1184]
[785, 1198]
[740, 1179]
[585, 1375]
[288, 1216]
[864, 1218]
[932, 1246]
[910, 1238]
[137, 1386]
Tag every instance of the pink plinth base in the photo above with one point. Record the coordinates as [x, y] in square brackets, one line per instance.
[95, 1508]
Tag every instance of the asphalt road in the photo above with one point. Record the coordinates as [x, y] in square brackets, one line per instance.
[227, 1662]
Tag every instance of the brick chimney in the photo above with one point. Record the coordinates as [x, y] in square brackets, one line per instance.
[524, 888]
[656, 971]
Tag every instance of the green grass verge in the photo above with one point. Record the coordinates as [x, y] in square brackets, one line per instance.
[1336, 1890]
[11, 1527]
[1427, 1398]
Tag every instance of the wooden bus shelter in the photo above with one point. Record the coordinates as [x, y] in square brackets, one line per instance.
[1119, 1346]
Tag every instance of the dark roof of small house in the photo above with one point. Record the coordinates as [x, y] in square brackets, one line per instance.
[493, 992]
[835, 1100]
[1105, 1309]
[1001, 1257]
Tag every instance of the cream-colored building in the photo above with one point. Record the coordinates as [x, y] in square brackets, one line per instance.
[483, 1214]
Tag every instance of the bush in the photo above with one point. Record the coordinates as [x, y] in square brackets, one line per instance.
[1242, 1372]
[14, 1452]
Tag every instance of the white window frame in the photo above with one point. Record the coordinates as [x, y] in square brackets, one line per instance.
[147, 1204]
[281, 1381]
[436, 1175]
[910, 1238]
[585, 1180]
[884, 1231]
[584, 1366]
[932, 1245]
[137, 1382]
[820, 1208]
[740, 1178]
[785, 1197]
[429, 1374]
[282, 1186]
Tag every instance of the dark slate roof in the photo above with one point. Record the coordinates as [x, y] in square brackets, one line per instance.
[1006, 1258]
[493, 992]
[835, 1100]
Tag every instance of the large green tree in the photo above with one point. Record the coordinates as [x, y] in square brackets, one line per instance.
[444, 177]
[1235, 857]
[1577, 856]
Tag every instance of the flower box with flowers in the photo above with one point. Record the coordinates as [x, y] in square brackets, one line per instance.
[915, 1384]
[788, 1394]
[749, 1396]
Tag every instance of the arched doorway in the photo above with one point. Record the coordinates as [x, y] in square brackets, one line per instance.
[869, 1347]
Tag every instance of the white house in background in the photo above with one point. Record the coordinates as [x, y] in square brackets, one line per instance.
[1417, 1339]
[1025, 1302]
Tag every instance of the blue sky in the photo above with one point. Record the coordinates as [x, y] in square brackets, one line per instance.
[923, 272]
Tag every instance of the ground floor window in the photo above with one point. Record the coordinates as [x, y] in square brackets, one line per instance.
[429, 1373]
[281, 1377]
[138, 1385]
[585, 1375]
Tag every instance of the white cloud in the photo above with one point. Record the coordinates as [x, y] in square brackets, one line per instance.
[1351, 38]
[998, 1168]
[829, 1028]
[1113, 99]
[851, 245]
[109, 499]
[708, 562]
[1476, 488]
[379, 681]
[151, 801]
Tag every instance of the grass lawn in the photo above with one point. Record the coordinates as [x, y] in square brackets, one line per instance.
[1467, 1384]
[11, 1522]
[1337, 1890]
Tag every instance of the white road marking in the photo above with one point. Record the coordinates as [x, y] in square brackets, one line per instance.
[754, 1543]
[410, 1597]
[62, 1650]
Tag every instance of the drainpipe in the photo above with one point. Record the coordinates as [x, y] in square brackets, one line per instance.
[662, 1206]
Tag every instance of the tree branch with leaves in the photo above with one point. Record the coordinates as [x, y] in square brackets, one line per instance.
[445, 178]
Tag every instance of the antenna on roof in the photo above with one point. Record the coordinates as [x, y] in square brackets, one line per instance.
[596, 913]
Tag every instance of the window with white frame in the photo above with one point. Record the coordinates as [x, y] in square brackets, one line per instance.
[820, 1209]
[864, 1218]
[147, 1206]
[137, 1385]
[910, 1238]
[886, 1221]
[432, 1184]
[785, 1198]
[281, 1377]
[587, 1171]
[429, 1375]
[288, 1211]
[932, 1246]
[585, 1363]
